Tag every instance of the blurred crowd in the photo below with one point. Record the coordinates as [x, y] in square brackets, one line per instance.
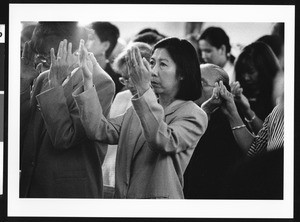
[154, 117]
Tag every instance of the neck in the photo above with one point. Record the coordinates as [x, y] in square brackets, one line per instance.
[223, 63]
[101, 59]
[165, 101]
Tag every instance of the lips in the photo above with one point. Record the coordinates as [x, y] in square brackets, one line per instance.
[154, 84]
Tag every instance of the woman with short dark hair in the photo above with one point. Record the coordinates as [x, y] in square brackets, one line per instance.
[156, 137]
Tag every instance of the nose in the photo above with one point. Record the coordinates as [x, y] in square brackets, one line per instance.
[154, 71]
[204, 55]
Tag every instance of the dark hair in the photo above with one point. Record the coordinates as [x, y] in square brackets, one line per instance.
[147, 37]
[107, 32]
[278, 29]
[274, 41]
[55, 32]
[217, 37]
[260, 57]
[185, 57]
[151, 30]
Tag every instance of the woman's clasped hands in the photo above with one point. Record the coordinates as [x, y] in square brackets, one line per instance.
[222, 98]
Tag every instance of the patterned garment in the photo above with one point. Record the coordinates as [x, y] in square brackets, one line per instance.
[270, 137]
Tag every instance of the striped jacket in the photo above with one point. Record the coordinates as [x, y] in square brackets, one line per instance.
[270, 137]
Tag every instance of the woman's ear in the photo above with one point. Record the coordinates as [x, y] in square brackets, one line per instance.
[223, 50]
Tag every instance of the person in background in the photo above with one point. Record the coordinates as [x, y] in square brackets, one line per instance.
[276, 44]
[156, 137]
[102, 39]
[255, 68]
[151, 38]
[119, 106]
[26, 34]
[215, 48]
[217, 152]
[57, 158]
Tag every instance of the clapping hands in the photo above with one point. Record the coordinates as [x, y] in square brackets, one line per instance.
[28, 71]
[63, 64]
[241, 101]
[139, 70]
[86, 61]
[222, 98]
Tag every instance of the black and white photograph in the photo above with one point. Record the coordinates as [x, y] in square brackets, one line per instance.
[177, 113]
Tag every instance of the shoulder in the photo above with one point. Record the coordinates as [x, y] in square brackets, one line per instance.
[123, 95]
[192, 110]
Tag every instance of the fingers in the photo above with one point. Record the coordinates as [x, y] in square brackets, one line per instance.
[146, 64]
[92, 58]
[52, 55]
[133, 57]
[64, 54]
[60, 50]
[26, 50]
[81, 52]
[70, 48]
[39, 67]
[137, 56]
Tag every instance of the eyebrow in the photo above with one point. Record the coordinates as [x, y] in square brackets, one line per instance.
[160, 59]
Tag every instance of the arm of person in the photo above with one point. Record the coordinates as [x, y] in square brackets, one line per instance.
[241, 134]
[61, 117]
[96, 126]
[182, 133]
[28, 74]
[91, 111]
[243, 104]
[213, 103]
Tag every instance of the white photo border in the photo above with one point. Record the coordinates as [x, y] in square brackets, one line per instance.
[26, 207]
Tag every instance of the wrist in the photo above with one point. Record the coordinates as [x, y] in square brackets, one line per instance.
[141, 90]
[209, 107]
[250, 117]
[53, 83]
[87, 84]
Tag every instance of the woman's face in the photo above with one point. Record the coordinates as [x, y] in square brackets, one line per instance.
[165, 81]
[211, 54]
[249, 82]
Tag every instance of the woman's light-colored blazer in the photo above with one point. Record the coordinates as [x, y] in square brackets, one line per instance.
[154, 145]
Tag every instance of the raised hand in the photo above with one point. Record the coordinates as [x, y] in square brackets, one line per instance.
[228, 105]
[59, 68]
[86, 65]
[72, 58]
[139, 70]
[213, 102]
[239, 98]
[28, 71]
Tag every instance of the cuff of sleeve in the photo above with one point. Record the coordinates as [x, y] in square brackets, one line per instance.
[80, 95]
[45, 97]
[148, 97]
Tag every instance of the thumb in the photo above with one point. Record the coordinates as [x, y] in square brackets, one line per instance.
[92, 58]
[39, 67]
[146, 64]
